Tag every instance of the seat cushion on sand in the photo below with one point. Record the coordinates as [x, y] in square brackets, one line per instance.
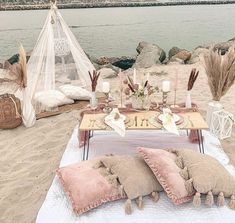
[86, 187]
[52, 99]
[163, 165]
[135, 176]
[206, 175]
[75, 92]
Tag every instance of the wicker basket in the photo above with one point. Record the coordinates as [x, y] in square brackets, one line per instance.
[10, 111]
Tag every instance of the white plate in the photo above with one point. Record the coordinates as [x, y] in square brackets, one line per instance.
[176, 117]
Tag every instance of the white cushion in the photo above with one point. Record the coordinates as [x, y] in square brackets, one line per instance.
[52, 98]
[75, 92]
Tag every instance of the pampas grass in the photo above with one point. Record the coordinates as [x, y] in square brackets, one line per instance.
[220, 71]
[23, 65]
[17, 72]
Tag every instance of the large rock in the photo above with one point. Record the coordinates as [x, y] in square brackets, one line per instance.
[177, 53]
[116, 69]
[107, 73]
[195, 57]
[103, 61]
[173, 51]
[124, 62]
[149, 55]
[182, 55]
[223, 47]
[232, 40]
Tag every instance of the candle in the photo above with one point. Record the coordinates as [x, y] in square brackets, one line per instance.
[166, 85]
[134, 76]
[106, 87]
[147, 77]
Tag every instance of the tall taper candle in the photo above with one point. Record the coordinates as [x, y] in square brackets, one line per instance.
[134, 76]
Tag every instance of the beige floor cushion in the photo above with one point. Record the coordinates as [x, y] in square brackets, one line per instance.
[135, 176]
[207, 176]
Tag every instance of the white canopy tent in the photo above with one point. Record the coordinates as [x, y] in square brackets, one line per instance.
[56, 59]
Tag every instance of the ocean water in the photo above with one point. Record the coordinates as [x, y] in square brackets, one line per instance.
[117, 31]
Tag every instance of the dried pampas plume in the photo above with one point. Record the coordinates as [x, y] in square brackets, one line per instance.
[23, 65]
[220, 71]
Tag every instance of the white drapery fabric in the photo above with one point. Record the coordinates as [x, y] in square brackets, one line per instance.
[57, 59]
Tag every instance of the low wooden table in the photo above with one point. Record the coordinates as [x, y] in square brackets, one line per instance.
[142, 120]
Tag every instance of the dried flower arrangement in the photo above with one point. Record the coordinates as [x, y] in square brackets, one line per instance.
[139, 90]
[94, 79]
[220, 71]
[192, 78]
[17, 72]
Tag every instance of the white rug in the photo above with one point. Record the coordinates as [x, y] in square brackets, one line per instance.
[57, 209]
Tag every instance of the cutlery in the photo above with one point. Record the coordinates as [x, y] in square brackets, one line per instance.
[142, 121]
[136, 121]
[147, 122]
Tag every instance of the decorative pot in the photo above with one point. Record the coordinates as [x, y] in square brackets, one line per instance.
[137, 103]
[93, 100]
[188, 102]
[212, 107]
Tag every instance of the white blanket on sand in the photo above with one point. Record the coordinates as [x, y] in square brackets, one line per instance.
[57, 208]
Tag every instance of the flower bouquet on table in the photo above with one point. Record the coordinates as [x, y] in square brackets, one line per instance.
[139, 93]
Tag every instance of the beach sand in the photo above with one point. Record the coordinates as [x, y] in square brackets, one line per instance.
[29, 157]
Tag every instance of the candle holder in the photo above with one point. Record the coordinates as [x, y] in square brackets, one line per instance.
[107, 109]
[164, 99]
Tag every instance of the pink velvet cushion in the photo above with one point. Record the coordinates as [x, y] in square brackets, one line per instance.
[86, 187]
[163, 165]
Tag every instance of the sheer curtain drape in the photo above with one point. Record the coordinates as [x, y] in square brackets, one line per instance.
[57, 59]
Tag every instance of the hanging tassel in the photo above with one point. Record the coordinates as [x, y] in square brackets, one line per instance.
[189, 186]
[139, 202]
[128, 207]
[197, 200]
[179, 162]
[232, 202]
[184, 173]
[155, 196]
[220, 200]
[209, 199]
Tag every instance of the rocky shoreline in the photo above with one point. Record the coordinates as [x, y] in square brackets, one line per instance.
[5, 7]
[149, 55]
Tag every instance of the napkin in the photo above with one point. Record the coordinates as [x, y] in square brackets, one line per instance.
[168, 121]
[116, 121]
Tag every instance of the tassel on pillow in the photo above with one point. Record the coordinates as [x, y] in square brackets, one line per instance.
[209, 199]
[232, 202]
[128, 207]
[220, 200]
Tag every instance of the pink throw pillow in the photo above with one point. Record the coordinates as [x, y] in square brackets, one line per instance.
[164, 167]
[86, 187]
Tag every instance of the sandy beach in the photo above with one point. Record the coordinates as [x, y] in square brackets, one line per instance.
[29, 157]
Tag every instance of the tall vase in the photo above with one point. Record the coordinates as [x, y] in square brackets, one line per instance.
[212, 107]
[188, 102]
[93, 100]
